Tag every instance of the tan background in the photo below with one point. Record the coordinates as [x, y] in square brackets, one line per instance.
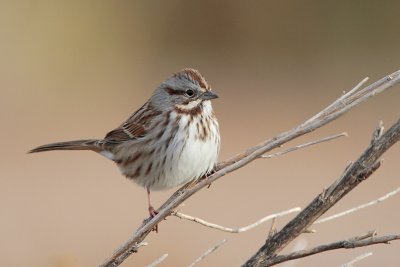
[77, 69]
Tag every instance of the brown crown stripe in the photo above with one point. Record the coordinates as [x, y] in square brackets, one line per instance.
[195, 76]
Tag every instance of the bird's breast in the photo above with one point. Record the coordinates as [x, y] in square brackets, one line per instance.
[186, 149]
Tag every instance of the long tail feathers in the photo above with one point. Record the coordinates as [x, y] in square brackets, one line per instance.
[89, 144]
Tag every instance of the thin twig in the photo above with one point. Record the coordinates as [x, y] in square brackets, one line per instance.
[326, 116]
[208, 252]
[234, 230]
[355, 89]
[339, 101]
[280, 153]
[158, 261]
[346, 244]
[357, 259]
[371, 203]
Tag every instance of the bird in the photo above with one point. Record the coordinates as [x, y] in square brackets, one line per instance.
[173, 139]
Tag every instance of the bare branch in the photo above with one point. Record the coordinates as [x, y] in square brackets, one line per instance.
[353, 175]
[371, 203]
[134, 249]
[291, 149]
[357, 259]
[334, 111]
[346, 244]
[234, 230]
[208, 252]
[158, 261]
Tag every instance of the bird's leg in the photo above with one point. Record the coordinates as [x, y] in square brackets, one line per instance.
[152, 211]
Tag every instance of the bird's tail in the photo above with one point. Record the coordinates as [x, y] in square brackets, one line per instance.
[89, 144]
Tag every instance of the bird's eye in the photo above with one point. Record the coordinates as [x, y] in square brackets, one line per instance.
[190, 93]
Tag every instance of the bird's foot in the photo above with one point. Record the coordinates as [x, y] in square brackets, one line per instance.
[153, 213]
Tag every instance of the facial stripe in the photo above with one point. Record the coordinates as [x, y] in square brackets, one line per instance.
[189, 105]
[171, 91]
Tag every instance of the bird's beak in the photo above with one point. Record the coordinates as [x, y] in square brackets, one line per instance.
[208, 95]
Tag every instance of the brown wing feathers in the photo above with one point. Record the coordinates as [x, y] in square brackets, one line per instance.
[135, 127]
[126, 131]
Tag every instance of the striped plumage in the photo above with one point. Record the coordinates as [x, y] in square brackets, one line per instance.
[171, 140]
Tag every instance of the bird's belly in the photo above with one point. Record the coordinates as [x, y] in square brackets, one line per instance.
[186, 158]
[196, 159]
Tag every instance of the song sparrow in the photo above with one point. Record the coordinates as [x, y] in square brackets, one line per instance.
[171, 140]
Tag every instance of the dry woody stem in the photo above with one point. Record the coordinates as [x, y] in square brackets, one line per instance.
[358, 171]
[353, 175]
[346, 244]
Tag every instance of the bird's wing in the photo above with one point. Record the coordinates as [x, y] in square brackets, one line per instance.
[133, 128]
[127, 131]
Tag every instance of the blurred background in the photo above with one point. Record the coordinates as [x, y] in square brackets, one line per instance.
[77, 69]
